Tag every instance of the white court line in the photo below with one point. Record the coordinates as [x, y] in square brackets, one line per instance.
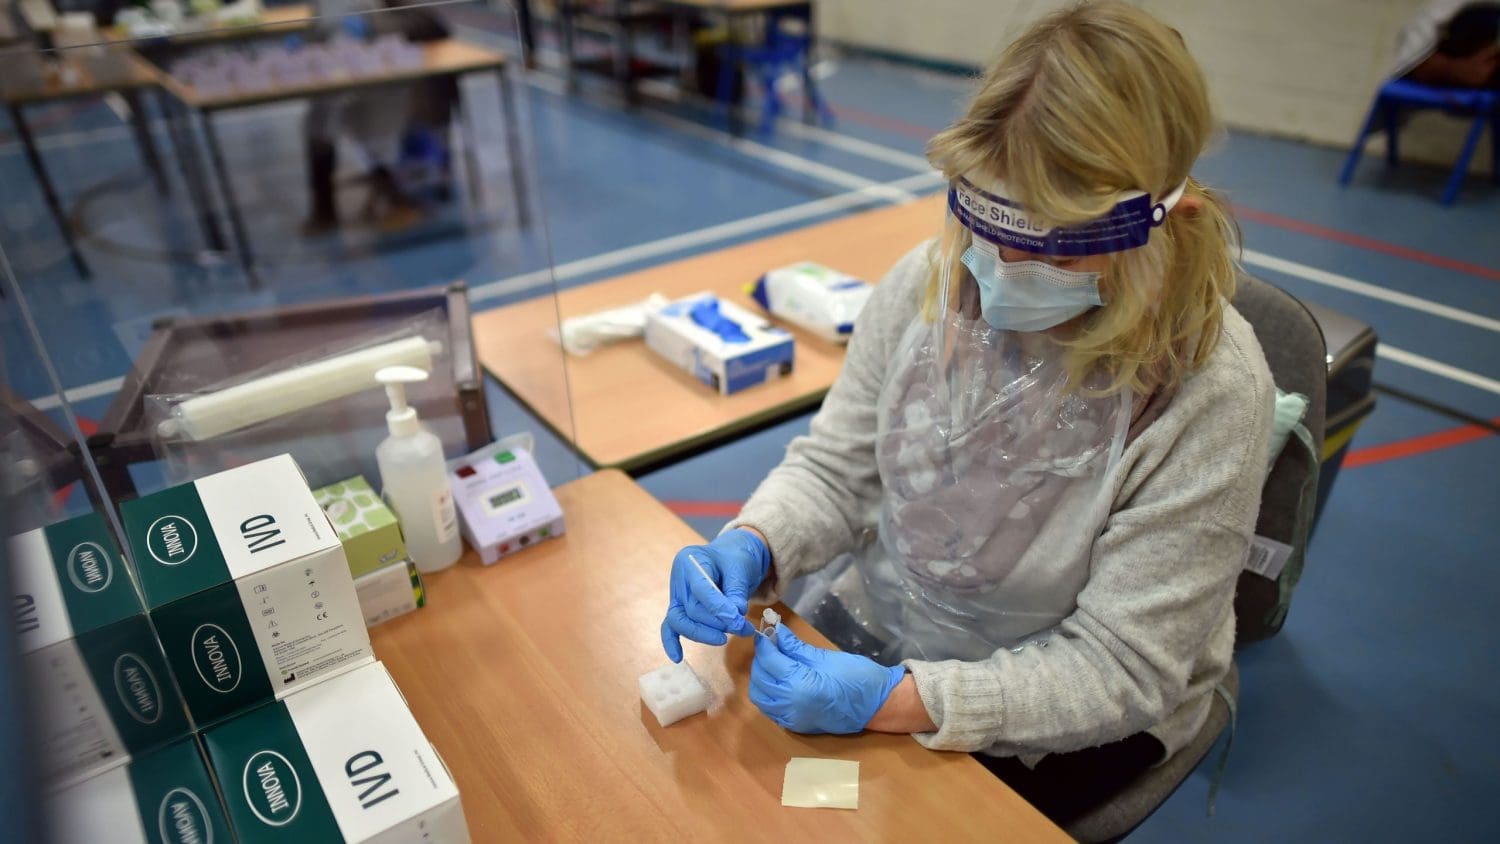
[780, 158]
[1343, 282]
[75, 394]
[785, 160]
[848, 143]
[1437, 367]
[698, 237]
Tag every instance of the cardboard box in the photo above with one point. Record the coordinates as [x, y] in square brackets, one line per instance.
[343, 760]
[248, 585]
[165, 797]
[719, 343]
[390, 592]
[504, 503]
[366, 526]
[98, 686]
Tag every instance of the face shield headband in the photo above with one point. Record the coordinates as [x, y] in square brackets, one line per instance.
[1004, 222]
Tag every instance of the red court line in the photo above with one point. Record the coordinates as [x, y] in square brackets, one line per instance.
[902, 127]
[1370, 243]
[705, 509]
[1414, 446]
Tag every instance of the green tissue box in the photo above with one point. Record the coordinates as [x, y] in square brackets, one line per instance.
[367, 528]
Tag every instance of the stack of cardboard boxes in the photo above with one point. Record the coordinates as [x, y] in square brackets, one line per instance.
[250, 594]
[113, 741]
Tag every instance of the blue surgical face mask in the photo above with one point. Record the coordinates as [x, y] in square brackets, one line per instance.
[1029, 295]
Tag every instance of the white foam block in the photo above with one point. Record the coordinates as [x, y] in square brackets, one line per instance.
[673, 692]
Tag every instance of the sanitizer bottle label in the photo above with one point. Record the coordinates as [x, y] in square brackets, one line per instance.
[444, 516]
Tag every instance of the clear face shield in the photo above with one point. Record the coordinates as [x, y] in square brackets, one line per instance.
[982, 225]
[996, 310]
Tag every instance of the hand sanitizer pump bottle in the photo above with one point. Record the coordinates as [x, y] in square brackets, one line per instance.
[413, 479]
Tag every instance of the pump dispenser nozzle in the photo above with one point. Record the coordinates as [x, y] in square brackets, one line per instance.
[401, 419]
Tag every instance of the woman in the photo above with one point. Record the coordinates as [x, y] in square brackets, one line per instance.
[1025, 502]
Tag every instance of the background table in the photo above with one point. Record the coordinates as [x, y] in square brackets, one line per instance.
[523, 675]
[277, 20]
[448, 57]
[633, 410]
[119, 71]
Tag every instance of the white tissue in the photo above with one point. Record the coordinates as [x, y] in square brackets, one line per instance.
[673, 692]
[583, 334]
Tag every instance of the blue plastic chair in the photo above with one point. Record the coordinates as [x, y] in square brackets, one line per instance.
[784, 49]
[1397, 94]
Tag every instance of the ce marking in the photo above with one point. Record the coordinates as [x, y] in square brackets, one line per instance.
[323, 616]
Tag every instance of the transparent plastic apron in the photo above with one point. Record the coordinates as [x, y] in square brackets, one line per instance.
[978, 443]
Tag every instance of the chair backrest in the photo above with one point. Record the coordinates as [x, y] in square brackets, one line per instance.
[1298, 358]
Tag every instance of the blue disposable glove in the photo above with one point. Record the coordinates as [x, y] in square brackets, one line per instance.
[737, 562]
[807, 689]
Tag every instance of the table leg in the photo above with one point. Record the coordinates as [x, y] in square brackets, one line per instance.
[180, 131]
[143, 138]
[513, 154]
[729, 65]
[565, 27]
[623, 59]
[231, 202]
[527, 25]
[813, 107]
[471, 149]
[682, 47]
[49, 193]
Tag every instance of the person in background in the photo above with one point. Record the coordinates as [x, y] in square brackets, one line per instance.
[1023, 507]
[1451, 43]
[387, 126]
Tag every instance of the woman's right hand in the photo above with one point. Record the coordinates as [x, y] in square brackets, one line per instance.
[736, 563]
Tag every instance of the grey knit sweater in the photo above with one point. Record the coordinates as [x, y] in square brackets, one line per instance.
[1153, 628]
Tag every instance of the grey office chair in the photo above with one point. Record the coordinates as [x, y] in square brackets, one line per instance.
[1295, 351]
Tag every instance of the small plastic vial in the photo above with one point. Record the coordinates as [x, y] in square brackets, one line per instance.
[769, 619]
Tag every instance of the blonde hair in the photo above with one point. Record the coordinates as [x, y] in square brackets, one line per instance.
[1093, 100]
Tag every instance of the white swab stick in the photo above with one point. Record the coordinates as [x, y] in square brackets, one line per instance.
[704, 572]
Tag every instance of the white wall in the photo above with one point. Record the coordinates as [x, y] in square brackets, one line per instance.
[1296, 68]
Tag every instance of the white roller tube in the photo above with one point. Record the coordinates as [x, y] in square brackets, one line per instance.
[291, 390]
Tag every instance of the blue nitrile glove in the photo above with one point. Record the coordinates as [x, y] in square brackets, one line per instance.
[737, 562]
[807, 689]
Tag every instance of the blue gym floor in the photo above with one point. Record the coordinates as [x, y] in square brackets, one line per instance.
[1375, 715]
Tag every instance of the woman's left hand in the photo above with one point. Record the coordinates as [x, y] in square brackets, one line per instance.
[807, 689]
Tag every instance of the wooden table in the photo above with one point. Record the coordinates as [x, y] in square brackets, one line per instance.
[73, 76]
[626, 407]
[446, 58]
[276, 20]
[523, 675]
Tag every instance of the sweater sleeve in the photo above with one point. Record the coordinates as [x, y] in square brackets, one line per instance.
[816, 504]
[1162, 581]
